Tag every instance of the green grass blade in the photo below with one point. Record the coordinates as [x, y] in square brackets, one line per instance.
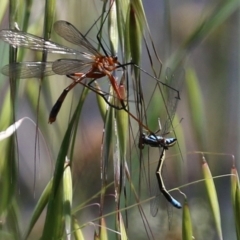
[122, 227]
[7, 174]
[12, 219]
[196, 106]
[234, 198]
[67, 200]
[112, 29]
[186, 223]
[212, 196]
[122, 9]
[237, 210]
[41, 204]
[3, 8]
[103, 230]
[133, 37]
[78, 235]
[50, 8]
[49, 225]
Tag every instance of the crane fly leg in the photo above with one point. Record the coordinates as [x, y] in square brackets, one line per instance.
[58, 104]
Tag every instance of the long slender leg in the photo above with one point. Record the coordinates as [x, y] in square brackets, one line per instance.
[58, 104]
[162, 187]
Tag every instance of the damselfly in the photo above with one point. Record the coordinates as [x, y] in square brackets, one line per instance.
[159, 141]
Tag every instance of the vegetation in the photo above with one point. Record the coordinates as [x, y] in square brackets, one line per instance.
[71, 179]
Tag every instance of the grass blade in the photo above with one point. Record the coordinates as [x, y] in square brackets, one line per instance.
[212, 196]
[186, 223]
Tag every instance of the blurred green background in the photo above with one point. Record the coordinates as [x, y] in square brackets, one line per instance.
[209, 108]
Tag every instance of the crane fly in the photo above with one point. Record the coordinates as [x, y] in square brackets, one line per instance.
[159, 141]
[95, 65]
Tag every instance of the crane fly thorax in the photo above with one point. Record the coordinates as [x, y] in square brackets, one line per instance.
[105, 63]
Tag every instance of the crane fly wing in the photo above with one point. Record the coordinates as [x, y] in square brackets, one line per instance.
[27, 40]
[28, 69]
[174, 80]
[70, 66]
[67, 31]
[154, 203]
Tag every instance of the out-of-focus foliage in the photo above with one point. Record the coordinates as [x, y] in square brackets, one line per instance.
[78, 196]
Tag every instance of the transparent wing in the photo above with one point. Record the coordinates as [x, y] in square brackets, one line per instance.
[26, 40]
[67, 31]
[174, 80]
[70, 66]
[28, 69]
[155, 202]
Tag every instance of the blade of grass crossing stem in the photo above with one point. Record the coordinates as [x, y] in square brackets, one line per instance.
[234, 190]
[195, 101]
[212, 195]
[67, 200]
[186, 223]
[41, 204]
[50, 223]
[77, 233]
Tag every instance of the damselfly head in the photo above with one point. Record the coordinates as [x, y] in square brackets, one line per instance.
[169, 142]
